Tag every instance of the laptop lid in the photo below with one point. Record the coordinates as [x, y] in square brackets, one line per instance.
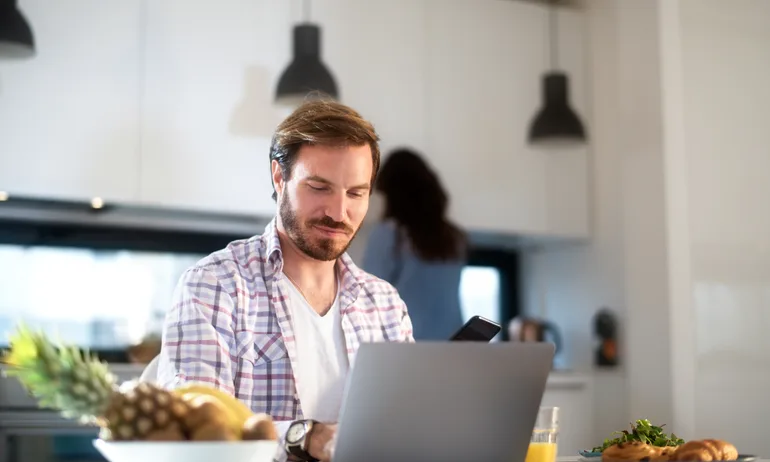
[447, 401]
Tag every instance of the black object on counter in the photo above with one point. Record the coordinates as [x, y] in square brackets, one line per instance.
[605, 327]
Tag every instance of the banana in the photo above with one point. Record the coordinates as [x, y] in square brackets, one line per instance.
[231, 402]
[237, 412]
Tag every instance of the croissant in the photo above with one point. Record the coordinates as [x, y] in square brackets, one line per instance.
[705, 451]
[634, 451]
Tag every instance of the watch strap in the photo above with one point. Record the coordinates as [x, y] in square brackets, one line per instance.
[301, 454]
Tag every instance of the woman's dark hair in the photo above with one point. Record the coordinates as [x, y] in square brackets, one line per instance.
[416, 200]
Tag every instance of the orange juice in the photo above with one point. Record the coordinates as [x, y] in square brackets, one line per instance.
[541, 452]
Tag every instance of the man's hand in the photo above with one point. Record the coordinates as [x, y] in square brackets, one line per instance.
[321, 441]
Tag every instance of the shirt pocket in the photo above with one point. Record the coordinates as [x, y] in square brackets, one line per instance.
[264, 378]
[258, 349]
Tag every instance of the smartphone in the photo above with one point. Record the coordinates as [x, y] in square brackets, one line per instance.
[477, 329]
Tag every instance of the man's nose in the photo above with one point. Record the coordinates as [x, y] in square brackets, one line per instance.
[336, 208]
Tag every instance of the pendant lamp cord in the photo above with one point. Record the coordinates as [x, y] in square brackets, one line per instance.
[554, 35]
[306, 10]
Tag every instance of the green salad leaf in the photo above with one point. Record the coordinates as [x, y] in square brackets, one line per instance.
[642, 431]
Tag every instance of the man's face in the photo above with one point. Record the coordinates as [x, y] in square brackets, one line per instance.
[323, 203]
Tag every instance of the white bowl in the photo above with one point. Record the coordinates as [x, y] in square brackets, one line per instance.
[187, 451]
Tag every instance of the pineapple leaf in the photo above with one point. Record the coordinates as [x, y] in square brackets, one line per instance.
[60, 376]
[24, 349]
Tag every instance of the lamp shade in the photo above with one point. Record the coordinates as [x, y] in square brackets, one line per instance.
[306, 73]
[16, 38]
[556, 122]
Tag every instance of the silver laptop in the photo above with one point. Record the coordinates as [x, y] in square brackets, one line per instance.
[442, 401]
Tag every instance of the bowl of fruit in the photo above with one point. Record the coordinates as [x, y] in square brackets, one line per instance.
[139, 421]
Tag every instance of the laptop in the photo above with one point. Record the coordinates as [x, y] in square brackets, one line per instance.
[442, 401]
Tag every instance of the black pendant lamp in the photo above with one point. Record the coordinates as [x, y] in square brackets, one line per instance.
[556, 123]
[16, 39]
[306, 75]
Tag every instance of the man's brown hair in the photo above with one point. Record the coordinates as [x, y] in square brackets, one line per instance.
[322, 122]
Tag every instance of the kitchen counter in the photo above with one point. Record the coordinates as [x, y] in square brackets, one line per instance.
[572, 392]
[42, 422]
[567, 379]
[14, 397]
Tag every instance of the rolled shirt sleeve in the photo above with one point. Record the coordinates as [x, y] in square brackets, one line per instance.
[406, 323]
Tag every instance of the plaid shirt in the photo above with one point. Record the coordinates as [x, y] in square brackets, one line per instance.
[230, 325]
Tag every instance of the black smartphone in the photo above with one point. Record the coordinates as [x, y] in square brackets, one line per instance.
[477, 329]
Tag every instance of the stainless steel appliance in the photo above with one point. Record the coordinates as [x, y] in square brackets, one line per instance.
[524, 329]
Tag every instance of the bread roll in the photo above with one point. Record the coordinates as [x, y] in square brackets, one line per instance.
[706, 451]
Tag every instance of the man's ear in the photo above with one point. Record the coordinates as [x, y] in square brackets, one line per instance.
[278, 182]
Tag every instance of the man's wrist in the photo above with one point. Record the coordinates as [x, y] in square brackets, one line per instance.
[297, 439]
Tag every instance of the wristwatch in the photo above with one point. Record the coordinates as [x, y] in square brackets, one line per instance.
[297, 437]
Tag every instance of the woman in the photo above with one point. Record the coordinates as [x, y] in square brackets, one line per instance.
[416, 248]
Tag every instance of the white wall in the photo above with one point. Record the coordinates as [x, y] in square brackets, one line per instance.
[727, 145]
[681, 225]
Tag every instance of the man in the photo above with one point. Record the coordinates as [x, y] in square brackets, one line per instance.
[277, 319]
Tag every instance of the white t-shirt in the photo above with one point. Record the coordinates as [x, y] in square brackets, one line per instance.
[322, 361]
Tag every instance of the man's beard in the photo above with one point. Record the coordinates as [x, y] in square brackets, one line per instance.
[316, 248]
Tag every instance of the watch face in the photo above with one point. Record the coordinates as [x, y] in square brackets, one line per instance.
[295, 432]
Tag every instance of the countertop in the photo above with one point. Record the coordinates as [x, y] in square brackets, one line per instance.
[568, 379]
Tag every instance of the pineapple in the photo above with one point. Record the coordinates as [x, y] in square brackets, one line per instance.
[82, 388]
[144, 411]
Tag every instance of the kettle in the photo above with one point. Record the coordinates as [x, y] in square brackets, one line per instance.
[522, 329]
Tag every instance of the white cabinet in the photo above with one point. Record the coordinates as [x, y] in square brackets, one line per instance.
[170, 102]
[457, 81]
[376, 50]
[573, 394]
[69, 116]
[483, 87]
[210, 69]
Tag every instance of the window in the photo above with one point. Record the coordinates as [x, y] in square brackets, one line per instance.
[480, 294]
[98, 299]
[99, 287]
[105, 289]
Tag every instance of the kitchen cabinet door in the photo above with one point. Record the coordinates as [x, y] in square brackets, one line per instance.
[69, 116]
[482, 89]
[210, 71]
[376, 49]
